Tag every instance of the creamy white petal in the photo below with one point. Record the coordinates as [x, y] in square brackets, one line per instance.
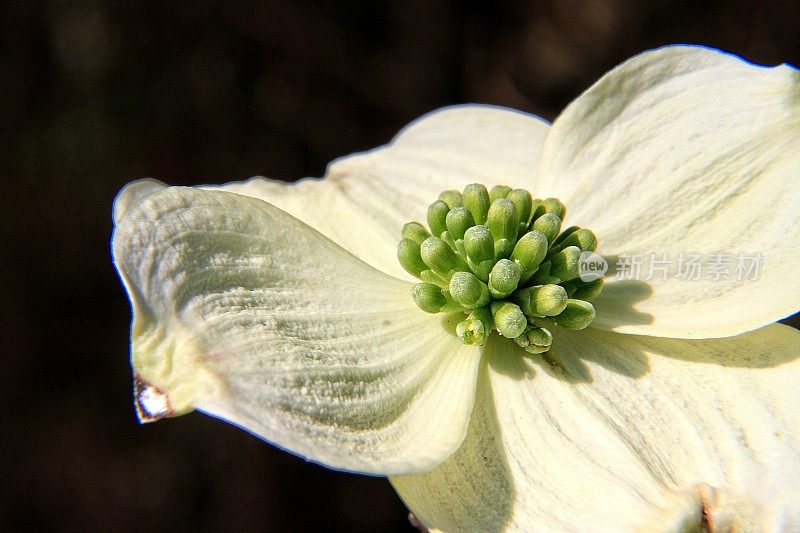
[244, 312]
[132, 193]
[686, 150]
[614, 432]
[366, 198]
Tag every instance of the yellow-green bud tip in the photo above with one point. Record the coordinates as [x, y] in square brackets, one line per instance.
[468, 290]
[476, 328]
[508, 319]
[535, 339]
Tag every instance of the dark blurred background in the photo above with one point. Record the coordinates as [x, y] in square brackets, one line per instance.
[96, 93]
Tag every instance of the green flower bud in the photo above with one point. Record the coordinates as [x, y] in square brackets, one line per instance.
[459, 220]
[588, 291]
[415, 231]
[563, 235]
[554, 205]
[535, 340]
[477, 327]
[438, 255]
[468, 290]
[476, 199]
[576, 315]
[582, 238]
[437, 217]
[508, 319]
[538, 211]
[451, 198]
[541, 300]
[498, 255]
[523, 201]
[479, 245]
[528, 253]
[428, 297]
[497, 192]
[564, 265]
[548, 224]
[503, 222]
[410, 258]
[504, 278]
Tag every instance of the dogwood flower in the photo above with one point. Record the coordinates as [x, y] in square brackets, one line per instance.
[282, 308]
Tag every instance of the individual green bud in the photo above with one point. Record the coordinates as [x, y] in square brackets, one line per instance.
[459, 220]
[497, 192]
[479, 246]
[438, 255]
[576, 315]
[535, 340]
[468, 290]
[437, 217]
[479, 243]
[528, 253]
[428, 297]
[508, 319]
[582, 238]
[523, 201]
[538, 210]
[564, 265]
[588, 291]
[451, 198]
[503, 222]
[410, 258]
[476, 199]
[504, 278]
[477, 327]
[554, 205]
[541, 300]
[563, 236]
[549, 224]
[415, 231]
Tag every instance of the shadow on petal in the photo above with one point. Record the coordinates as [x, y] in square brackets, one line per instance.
[575, 351]
[474, 488]
[567, 359]
[508, 359]
[616, 305]
[768, 347]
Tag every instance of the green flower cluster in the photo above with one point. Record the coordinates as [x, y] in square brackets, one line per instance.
[500, 256]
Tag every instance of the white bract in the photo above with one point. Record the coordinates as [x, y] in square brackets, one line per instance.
[282, 309]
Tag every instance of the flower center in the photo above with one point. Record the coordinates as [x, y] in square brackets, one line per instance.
[500, 257]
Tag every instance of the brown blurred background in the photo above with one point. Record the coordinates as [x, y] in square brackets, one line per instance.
[96, 93]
